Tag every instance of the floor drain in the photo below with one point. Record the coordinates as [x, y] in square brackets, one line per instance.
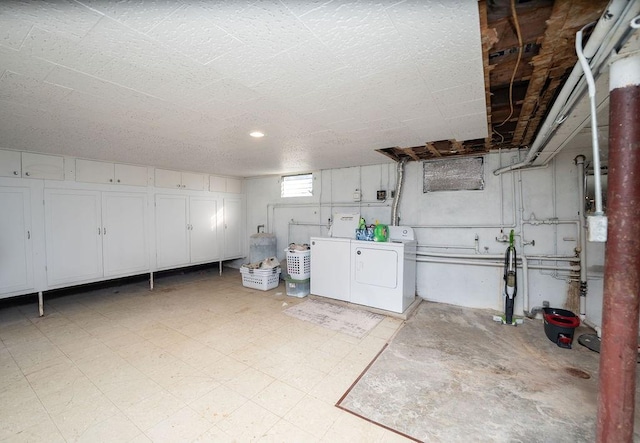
[577, 373]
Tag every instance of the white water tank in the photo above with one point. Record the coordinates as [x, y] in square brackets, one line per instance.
[261, 245]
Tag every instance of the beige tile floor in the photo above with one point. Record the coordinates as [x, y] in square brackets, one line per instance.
[201, 358]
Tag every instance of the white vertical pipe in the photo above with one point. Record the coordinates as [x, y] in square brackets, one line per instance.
[582, 236]
[594, 120]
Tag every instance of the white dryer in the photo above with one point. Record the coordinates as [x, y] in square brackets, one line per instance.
[383, 274]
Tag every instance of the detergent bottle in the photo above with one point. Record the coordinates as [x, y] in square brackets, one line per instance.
[380, 232]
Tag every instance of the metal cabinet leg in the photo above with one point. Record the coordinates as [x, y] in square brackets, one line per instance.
[220, 266]
[151, 281]
[40, 304]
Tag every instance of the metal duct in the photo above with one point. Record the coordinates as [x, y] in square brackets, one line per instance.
[396, 201]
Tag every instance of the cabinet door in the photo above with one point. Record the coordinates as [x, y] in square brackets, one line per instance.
[234, 186]
[168, 179]
[94, 172]
[203, 221]
[73, 235]
[193, 181]
[172, 235]
[233, 228]
[10, 164]
[48, 167]
[16, 259]
[124, 231]
[131, 175]
[217, 184]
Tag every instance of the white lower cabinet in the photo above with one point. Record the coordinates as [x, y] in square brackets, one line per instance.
[124, 233]
[93, 234]
[186, 230]
[233, 228]
[16, 257]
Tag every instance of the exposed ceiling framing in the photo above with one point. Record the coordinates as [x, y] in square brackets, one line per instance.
[547, 56]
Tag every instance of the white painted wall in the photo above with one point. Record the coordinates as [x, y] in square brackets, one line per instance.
[448, 222]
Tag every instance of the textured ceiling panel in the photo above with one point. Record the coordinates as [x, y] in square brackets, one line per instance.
[181, 84]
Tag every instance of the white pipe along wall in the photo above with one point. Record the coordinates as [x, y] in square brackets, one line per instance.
[469, 223]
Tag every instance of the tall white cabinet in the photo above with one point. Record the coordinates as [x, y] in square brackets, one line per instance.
[16, 257]
[93, 234]
[186, 230]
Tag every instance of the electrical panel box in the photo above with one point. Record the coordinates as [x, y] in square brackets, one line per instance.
[597, 228]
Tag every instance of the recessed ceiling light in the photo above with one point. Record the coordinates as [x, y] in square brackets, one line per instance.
[257, 134]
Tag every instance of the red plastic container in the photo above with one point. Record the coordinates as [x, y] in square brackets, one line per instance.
[559, 325]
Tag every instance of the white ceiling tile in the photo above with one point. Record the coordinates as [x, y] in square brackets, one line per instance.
[458, 94]
[64, 51]
[300, 8]
[267, 26]
[455, 109]
[469, 127]
[344, 24]
[13, 30]
[64, 17]
[230, 91]
[137, 14]
[28, 91]
[23, 64]
[189, 31]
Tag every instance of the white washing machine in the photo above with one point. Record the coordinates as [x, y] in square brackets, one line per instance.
[383, 274]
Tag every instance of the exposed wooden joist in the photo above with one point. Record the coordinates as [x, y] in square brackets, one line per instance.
[410, 153]
[432, 149]
[489, 38]
[556, 55]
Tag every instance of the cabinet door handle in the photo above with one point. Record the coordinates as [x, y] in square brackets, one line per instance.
[27, 174]
[104, 231]
[98, 230]
[28, 235]
[179, 185]
[110, 180]
[15, 172]
[118, 180]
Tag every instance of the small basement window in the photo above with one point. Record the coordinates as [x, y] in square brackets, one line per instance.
[459, 174]
[296, 185]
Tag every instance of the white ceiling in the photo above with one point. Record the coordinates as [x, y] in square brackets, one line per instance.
[181, 84]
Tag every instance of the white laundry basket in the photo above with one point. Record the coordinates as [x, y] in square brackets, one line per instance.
[263, 279]
[298, 264]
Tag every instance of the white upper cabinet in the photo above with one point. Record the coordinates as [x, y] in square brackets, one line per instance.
[225, 184]
[166, 178]
[217, 184]
[193, 181]
[48, 167]
[90, 171]
[94, 172]
[234, 186]
[131, 175]
[10, 165]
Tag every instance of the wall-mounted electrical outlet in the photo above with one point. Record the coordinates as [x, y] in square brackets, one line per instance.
[381, 195]
[356, 195]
